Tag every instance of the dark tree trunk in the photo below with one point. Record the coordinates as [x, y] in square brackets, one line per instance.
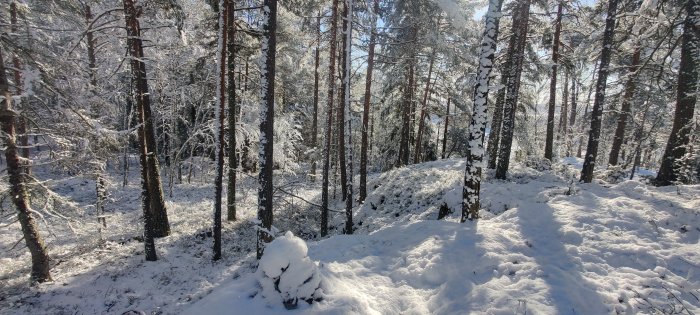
[329, 120]
[404, 147]
[497, 119]
[630, 87]
[220, 116]
[477, 125]
[18, 187]
[516, 56]
[314, 124]
[21, 121]
[347, 153]
[341, 107]
[572, 118]
[419, 138]
[267, 115]
[597, 112]
[92, 63]
[563, 122]
[549, 143]
[232, 111]
[161, 226]
[366, 109]
[685, 97]
[444, 134]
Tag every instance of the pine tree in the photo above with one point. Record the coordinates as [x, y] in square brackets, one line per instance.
[549, 143]
[232, 110]
[516, 56]
[685, 97]
[329, 120]
[219, 123]
[366, 107]
[625, 108]
[267, 114]
[18, 186]
[597, 112]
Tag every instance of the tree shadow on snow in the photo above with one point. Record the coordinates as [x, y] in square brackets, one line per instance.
[568, 290]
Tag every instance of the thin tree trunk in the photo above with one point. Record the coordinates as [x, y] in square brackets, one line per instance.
[347, 152]
[329, 120]
[232, 111]
[597, 112]
[18, 187]
[417, 150]
[21, 121]
[219, 124]
[549, 142]
[497, 120]
[444, 134]
[572, 118]
[159, 213]
[685, 98]
[366, 108]
[519, 39]
[630, 87]
[563, 122]
[342, 106]
[314, 125]
[267, 114]
[406, 125]
[92, 63]
[477, 125]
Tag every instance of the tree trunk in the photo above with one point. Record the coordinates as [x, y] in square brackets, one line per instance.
[572, 118]
[563, 122]
[597, 112]
[685, 97]
[417, 150]
[267, 114]
[329, 120]
[444, 134]
[92, 64]
[404, 147]
[497, 119]
[549, 143]
[347, 152]
[342, 106]
[159, 213]
[18, 187]
[516, 56]
[314, 124]
[366, 109]
[477, 126]
[630, 87]
[21, 121]
[219, 123]
[232, 111]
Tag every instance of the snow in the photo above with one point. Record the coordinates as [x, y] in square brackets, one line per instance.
[541, 247]
[603, 250]
[285, 272]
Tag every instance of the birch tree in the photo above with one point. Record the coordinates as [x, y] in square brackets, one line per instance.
[477, 126]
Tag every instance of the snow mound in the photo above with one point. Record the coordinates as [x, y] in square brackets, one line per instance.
[286, 274]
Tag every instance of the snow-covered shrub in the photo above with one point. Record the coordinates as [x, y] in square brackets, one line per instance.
[286, 274]
[614, 174]
[538, 163]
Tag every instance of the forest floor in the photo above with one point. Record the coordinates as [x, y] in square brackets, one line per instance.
[545, 245]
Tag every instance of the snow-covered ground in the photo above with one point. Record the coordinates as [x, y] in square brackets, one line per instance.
[546, 245]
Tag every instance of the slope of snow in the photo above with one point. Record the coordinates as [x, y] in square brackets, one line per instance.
[626, 248]
[544, 245]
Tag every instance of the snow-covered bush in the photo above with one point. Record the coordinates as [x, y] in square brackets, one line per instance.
[614, 174]
[538, 163]
[286, 274]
